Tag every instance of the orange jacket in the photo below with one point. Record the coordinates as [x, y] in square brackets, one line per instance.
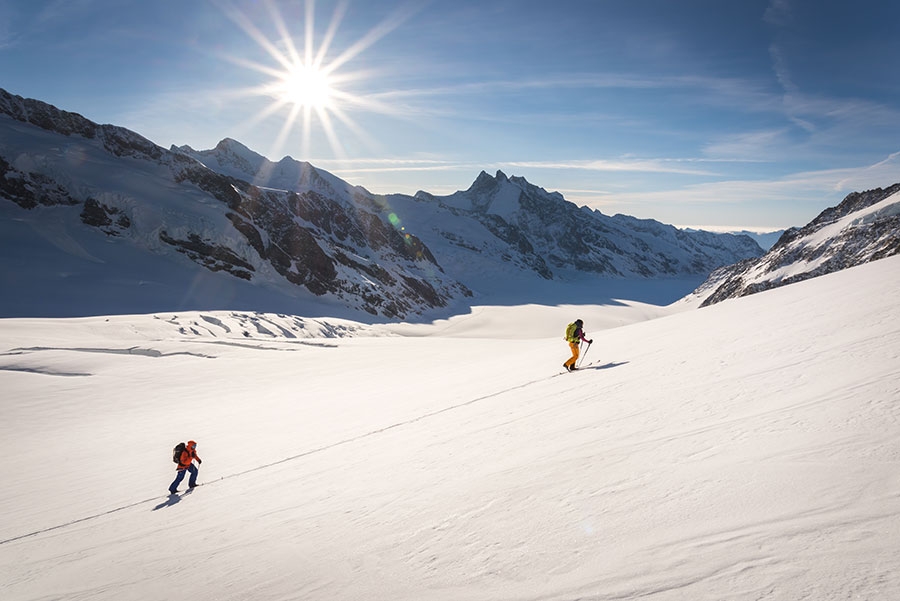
[188, 455]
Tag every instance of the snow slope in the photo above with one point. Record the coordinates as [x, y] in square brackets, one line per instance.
[748, 450]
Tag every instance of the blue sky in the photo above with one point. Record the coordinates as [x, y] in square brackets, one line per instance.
[743, 113]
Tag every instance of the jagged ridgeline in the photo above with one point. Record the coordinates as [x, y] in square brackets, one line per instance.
[864, 227]
[298, 230]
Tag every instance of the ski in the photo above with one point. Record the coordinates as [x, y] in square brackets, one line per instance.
[579, 368]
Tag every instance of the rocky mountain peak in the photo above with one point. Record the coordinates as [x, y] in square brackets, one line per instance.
[551, 233]
[482, 183]
[45, 116]
[864, 227]
[853, 202]
[231, 145]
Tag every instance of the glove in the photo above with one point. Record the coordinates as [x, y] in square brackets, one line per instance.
[199, 461]
[590, 342]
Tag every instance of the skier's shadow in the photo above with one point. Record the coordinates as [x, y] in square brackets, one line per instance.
[171, 500]
[607, 366]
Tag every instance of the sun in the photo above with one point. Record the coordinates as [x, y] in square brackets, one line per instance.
[306, 87]
[302, 80]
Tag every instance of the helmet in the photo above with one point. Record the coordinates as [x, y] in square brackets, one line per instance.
[191, 443]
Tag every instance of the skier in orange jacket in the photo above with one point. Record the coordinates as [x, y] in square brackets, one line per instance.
[186, 464]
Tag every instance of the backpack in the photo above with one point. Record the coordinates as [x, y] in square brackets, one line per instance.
[177, 451]
[570, 332]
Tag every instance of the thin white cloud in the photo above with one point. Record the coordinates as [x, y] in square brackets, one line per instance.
[885, 173]
[7, 39]
[735, 94]
[806, 184]
[390, 162]
[673, 166]
[778, 13]
[782, 72]
[623, 165]
[810, 114]
[750, 146]
[398, 168]
[551, 82]
[59, 11]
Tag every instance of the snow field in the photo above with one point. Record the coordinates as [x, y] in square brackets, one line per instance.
[748, 450]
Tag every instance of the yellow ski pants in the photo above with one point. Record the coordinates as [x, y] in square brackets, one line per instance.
[575, 351]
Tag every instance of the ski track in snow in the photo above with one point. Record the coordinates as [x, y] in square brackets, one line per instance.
[274, 463]
[45, 371]
[142, 352]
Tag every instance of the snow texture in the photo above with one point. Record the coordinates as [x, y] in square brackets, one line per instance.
[744, 451]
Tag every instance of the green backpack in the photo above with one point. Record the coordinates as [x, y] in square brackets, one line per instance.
[570, 332]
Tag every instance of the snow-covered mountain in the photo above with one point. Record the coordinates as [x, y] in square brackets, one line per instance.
[864, 227]
[765, 239]
[59, 167]
[522, 224]
[91, 212]
[563, 236]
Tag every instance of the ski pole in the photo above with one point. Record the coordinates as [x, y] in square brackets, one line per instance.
[580, 361]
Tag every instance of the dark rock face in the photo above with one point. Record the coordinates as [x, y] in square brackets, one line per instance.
[29, 190]
[109, 219]
[212, 256]
[805, 253]
[309, 235]
[117, 140]
[46, 116]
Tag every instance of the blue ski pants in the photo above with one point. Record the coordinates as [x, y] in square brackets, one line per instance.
[192, 481]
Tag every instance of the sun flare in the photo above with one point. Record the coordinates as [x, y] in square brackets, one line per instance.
[305, 82]
[306, 87]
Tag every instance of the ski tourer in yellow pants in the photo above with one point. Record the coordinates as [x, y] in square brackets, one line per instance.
[575, 336]
[570, 364]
